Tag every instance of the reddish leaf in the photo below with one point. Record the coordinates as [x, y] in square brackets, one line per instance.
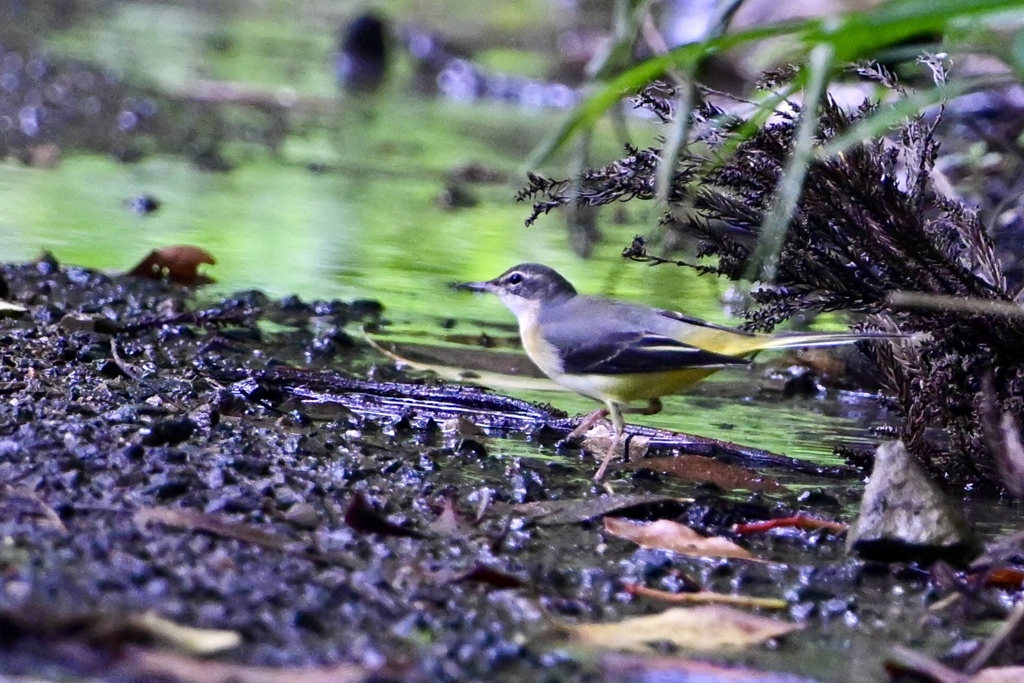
[179, 263]
[701, 469]
[194, 520]
[1009, 578]
[361, 516]
[798, 521]
[481, 573]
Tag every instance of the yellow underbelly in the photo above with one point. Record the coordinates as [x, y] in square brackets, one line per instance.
[634, 387]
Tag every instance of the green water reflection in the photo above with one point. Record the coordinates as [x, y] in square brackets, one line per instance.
[366, 222]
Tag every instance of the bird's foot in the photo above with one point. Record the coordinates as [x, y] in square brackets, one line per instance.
[585, 425]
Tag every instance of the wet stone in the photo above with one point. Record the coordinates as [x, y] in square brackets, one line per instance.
[303, 516]
[905, 516]
[169, 432]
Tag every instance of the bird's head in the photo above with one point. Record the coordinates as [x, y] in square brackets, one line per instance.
[525, 287]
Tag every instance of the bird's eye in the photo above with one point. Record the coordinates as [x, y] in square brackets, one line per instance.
[515, 278]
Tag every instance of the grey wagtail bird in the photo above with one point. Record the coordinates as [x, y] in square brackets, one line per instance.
[619, 352]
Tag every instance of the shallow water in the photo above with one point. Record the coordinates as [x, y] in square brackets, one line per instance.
[347, 206]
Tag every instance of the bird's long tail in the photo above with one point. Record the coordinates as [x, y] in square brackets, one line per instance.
[741, 345]
[790, 340]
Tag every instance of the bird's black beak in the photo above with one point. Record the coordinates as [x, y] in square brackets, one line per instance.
[485, 286]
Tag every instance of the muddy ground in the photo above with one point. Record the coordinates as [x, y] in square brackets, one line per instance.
[156, 455]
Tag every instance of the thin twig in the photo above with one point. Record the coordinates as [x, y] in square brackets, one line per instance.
[130, 372]
[998, 639]
[953, 303]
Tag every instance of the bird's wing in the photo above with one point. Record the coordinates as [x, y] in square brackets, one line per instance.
[700, 323]
[638, 352]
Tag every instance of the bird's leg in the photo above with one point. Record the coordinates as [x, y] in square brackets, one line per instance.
[618, 429]
[586, 423]
[653, 407]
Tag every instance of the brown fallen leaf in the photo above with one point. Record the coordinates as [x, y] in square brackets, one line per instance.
[362, 517]
[1002, 436]
[999, 674]
[480, 573]
[553, 512]
[179, 263]
[109, 629]
[192, 520]
[449, 523]
[23, 501]
[698, 468]
[903, 661]
[710, 627]
[463, 428]
[143, 663]
[704, 597]
[196, 641]
[629, 667]
[665, 534]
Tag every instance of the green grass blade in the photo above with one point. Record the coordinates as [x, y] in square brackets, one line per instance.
[765, 260]
[852, 36]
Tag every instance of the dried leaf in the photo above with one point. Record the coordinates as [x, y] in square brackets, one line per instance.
[9, 310]
[142, 663]
[197, 641]
[710, 627]
[463, 428]
[904, 662]
[201, 521]
[362, 517]
[552, 512]
[23, 501]
[999, 674]
[665, 534]
[449, 523]
[1002, 436]
[707, 470]
[705, 597]
[627, 667]
[481, 573]
[179, 263]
